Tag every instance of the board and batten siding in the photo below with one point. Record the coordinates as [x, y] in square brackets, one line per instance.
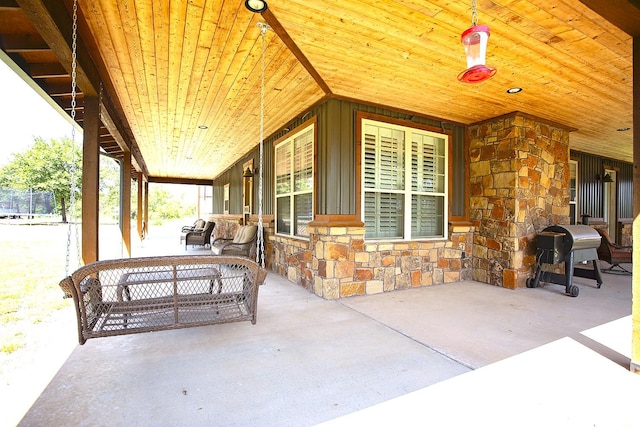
[590, 186]
[335, 192]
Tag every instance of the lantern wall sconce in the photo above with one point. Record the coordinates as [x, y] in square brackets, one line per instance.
[605, 178]
[475, 40]
[248, 173]
[256, 6]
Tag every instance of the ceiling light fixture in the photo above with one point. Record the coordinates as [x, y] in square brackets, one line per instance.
[475, 41]
[203, 127]
[256, 6]
[513, 90]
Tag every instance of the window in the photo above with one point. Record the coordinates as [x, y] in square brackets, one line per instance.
[404, 182]
[294, 183]
[573, 193]
[226, 199]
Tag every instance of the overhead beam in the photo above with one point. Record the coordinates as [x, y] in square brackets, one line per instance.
[121, 134]
[36, 88]
[293, 47]
[624, 14]
[18, 43]
[52, 21]
[47, 71]
[54, 24]
[184, 181]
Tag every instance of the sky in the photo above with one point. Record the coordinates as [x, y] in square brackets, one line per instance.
[24, 115]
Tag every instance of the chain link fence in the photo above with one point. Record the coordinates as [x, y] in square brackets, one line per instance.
[26, 203]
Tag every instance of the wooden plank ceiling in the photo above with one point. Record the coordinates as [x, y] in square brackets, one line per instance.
[171, 67]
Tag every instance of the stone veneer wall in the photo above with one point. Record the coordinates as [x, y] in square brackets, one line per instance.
[337, 262]
[519, 176]
[625, 232]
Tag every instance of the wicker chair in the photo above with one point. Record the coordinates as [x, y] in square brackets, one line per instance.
[242, 244]
[200, 237]
[614, 254]
[200, 223]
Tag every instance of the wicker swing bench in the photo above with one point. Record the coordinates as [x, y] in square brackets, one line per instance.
[133, 295]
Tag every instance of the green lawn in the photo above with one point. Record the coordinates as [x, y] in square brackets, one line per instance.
[33, 262]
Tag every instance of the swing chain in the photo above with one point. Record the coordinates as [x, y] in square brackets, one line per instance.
[260, 252]
[72, 195]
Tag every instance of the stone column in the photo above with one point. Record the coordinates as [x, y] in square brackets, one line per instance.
[519, 176]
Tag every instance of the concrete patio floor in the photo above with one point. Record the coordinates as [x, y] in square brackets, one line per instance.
[456, 354]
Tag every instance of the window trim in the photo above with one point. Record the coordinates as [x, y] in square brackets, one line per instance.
[360, 117]
[289, 137]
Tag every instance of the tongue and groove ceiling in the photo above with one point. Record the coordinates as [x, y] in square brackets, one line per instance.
[169, 68]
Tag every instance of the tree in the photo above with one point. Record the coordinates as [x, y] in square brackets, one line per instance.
[45, 166]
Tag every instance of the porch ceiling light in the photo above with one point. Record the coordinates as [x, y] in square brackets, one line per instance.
[256, 6]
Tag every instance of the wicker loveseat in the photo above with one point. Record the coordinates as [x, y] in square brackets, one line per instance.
[125, 296]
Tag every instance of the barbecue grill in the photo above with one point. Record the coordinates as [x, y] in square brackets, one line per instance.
[569, 244]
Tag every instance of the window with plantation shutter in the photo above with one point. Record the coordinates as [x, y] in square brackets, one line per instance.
[404, 182]
[294, 183]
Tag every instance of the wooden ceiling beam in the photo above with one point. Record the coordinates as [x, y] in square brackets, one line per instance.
[624, 14]
[47, 70]
[65, 102]
[8, 4]
[20, 43]
[184, 181]
[121, 134]
[54, 24]
[57, 89]
[293, 47]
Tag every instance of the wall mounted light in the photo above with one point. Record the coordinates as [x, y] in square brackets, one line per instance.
[605, 178]
[256, 6]
[248, 173]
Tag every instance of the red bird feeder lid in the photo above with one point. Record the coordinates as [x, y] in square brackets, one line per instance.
[475, 41]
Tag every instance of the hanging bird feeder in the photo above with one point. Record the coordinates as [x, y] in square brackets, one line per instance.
[475, 40]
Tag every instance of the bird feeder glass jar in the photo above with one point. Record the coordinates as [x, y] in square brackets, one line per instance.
[475, 40]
